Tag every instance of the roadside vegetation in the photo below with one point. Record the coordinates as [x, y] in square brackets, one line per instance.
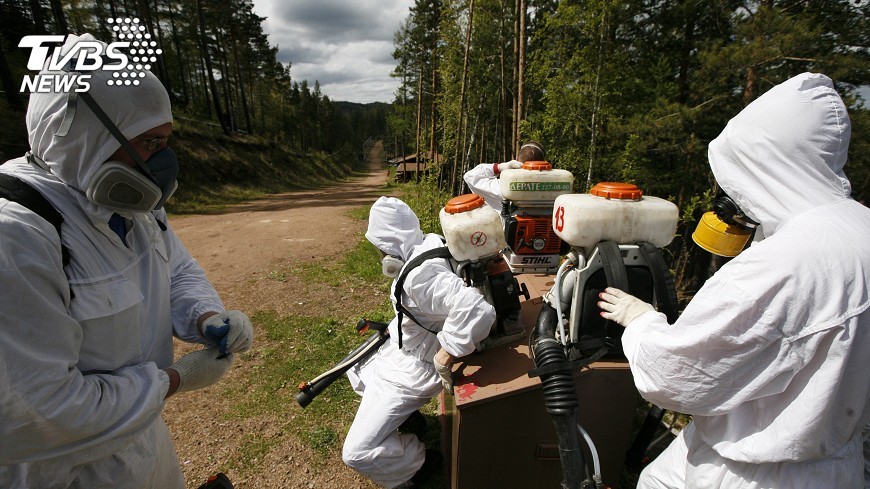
[300, 347]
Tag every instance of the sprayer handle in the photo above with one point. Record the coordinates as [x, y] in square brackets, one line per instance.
[524, 291]
[364, 325]
[304, 398]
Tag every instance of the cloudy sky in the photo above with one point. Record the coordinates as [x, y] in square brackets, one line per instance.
[347, 45]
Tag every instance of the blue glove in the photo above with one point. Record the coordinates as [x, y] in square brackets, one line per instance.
[231, 331]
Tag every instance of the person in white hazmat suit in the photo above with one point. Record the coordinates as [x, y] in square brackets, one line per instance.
[394, 383]
[770, 356]
[86, 350]
[483, 178]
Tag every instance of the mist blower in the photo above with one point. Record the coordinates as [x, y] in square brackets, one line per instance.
[527, 208]
[615, 234]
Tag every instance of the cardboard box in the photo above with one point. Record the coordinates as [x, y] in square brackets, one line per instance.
[497, 431]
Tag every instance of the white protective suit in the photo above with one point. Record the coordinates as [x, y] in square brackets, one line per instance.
[81, 349]
[770, 357]
[396, 382]
[483, 181]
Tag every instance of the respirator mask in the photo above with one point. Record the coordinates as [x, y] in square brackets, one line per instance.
[123, 188]
[726, 229]
[391, 265]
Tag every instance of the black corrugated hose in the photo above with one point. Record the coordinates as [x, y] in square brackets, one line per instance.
[560, 398]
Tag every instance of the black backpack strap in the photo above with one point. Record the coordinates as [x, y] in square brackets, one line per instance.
[19, 191]
[663, 282]
[615, 274]
[440, 252]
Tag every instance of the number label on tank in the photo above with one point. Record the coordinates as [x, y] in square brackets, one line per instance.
[559, 218]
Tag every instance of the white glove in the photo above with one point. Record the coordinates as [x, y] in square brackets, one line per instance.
[444, 370]
[200, 368]
[231, 331]
[509, 165]
[621, 307]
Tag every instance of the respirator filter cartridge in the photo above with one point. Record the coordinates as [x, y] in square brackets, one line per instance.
[719, 237]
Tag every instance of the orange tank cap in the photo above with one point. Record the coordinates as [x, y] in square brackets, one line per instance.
[464, 203]
[617, 190]
[537, 165]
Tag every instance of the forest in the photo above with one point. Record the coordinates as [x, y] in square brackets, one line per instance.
[628, 90]
[216, 62]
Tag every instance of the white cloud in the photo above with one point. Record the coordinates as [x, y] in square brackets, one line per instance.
[346, 45]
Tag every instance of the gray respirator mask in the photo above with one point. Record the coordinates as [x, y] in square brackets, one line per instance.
[122, 188]
[391, 266]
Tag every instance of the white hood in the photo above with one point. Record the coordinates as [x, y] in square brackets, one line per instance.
[784, 153]
[393, 227]
[76, 156]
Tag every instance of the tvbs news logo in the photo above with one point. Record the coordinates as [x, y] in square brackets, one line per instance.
[127, 59]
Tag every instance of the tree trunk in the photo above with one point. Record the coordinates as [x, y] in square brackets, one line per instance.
[59, 17]
[687, 47]
[9, 86]
[241, 86]
[432, 145]
[179, 56]
[154, 23]
[502, 96]
[596, 103]
[204, 84]
[209, 73]
[38, 18]
[515, 77]
[749, 89]
[418, 146]
[228, 91]
[521, 69]
[459, 132]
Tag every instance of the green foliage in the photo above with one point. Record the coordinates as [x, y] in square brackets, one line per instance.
[426, 199]
[628, 89]
[358, 268]
[217, 65]
[322, 439]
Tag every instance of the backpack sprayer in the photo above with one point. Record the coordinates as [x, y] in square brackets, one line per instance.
[614, 234]
[311, 389]
[474, 242]
[527, 211]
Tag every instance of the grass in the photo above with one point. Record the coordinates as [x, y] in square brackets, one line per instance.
[358, 268]
[300, 348]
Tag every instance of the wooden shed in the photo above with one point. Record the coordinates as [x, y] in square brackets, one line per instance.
[407, 167]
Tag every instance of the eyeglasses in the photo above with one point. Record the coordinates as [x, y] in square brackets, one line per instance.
[152, 144]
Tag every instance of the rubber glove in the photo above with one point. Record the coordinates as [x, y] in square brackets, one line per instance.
[231, 331]
[509, 165]
[200, 368]
[443, 363]
[621, 307]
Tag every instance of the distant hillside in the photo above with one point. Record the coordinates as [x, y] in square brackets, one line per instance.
[351, 107]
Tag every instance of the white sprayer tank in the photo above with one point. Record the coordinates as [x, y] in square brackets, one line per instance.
[472, 228]
[614, 211]
[536, 181]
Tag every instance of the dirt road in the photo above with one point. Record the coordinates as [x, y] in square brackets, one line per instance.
[241, 246]
[242, 249]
